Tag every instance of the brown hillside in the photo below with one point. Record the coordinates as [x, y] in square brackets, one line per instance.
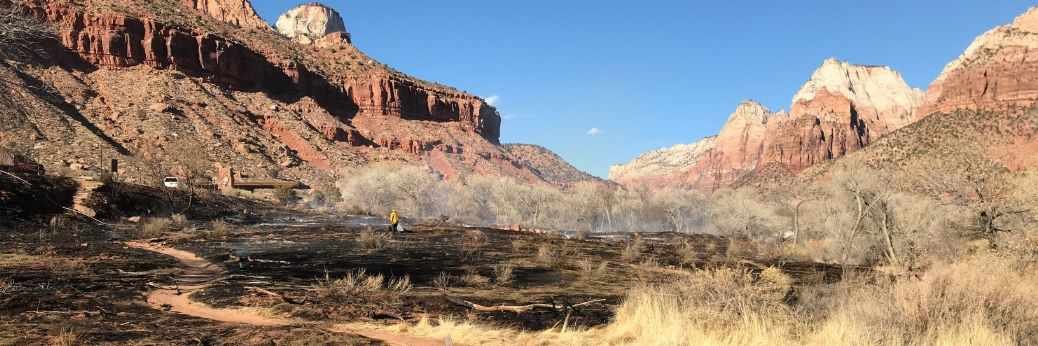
[548, 165]
[167, 88]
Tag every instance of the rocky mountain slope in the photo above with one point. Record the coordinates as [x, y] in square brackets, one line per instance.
[978, 107]
[998, 71]
[174, 87]
[548, 165]
[841, 109]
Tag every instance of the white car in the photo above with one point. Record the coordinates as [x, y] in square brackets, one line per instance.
[171, 182]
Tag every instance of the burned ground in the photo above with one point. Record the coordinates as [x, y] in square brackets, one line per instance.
[62, 276]
[444, 261]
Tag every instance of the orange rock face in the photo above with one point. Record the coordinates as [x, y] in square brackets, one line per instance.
[235, 12]
[112, 40]
[997, 72]
[843, 108]
[156, 85]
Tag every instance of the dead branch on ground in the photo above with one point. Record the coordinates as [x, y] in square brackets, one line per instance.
[517, 308]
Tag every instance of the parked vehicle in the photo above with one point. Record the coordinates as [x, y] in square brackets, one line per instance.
[171, 182]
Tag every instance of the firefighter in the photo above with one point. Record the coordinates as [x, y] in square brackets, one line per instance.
[394, 221]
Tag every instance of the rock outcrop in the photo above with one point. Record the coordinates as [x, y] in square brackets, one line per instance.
[311, 22]
[998, 71]
[841, 109]
[877, 95]
[205, 92]
[236, 12]
[117, 40]
[664, 167]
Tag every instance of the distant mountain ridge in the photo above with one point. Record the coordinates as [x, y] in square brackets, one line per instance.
[844, 108]
[840, 109]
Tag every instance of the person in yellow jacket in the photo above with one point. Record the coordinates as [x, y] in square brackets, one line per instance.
[394, 221]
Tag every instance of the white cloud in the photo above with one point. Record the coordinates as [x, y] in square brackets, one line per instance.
[508, 116]
[493, 99]
[594, 131]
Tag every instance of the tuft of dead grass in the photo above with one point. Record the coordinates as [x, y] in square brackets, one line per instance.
[632, 251]
[178, 220]
[472, 278]
[688, 254]
[503, 273]
[371, 240]
[358, 285]
[443, 282]
[475, 239]
[591, 271]
[154, 228]
[219, 229]
[65, 337]
[547, 255]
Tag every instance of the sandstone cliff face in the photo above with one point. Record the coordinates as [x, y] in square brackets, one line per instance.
[877, 95]
[310, 22]
[741, 140]
[117, 40]
[841, 109]
[248, 99]
[235, 12]
[662, 167]
[998, 71]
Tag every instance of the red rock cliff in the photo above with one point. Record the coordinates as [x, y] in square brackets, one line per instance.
[113, 40]
[235, 12]
[999, 70]
[841, 109]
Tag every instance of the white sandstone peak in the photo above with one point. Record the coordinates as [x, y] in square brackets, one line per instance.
[879, 87]
[750, 111]
[309, 22]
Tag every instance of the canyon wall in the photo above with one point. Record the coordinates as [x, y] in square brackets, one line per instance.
[113, 40]
[998, 71]
[840, 109]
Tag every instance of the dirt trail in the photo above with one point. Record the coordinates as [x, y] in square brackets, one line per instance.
[197, 274]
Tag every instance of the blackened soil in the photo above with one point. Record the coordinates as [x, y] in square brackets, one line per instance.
[294, 261]
[75, 281]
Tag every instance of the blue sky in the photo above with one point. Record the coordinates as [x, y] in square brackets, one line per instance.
[649, 74]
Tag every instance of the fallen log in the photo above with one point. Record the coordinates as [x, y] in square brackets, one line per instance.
[517, 308]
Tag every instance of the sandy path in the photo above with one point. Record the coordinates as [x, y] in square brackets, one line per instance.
[197, 274]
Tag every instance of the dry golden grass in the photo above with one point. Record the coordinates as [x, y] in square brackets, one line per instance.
[547, 255]
[154, 228]
[372, 240]
[219, 229]
[65, 337]
[475, 239]
[179, 220]
[359, 285]
[591, 271]
[47, 261]
[632, 252]
[503, 273]
[443, 282]
[978, 301]
[472, 278]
